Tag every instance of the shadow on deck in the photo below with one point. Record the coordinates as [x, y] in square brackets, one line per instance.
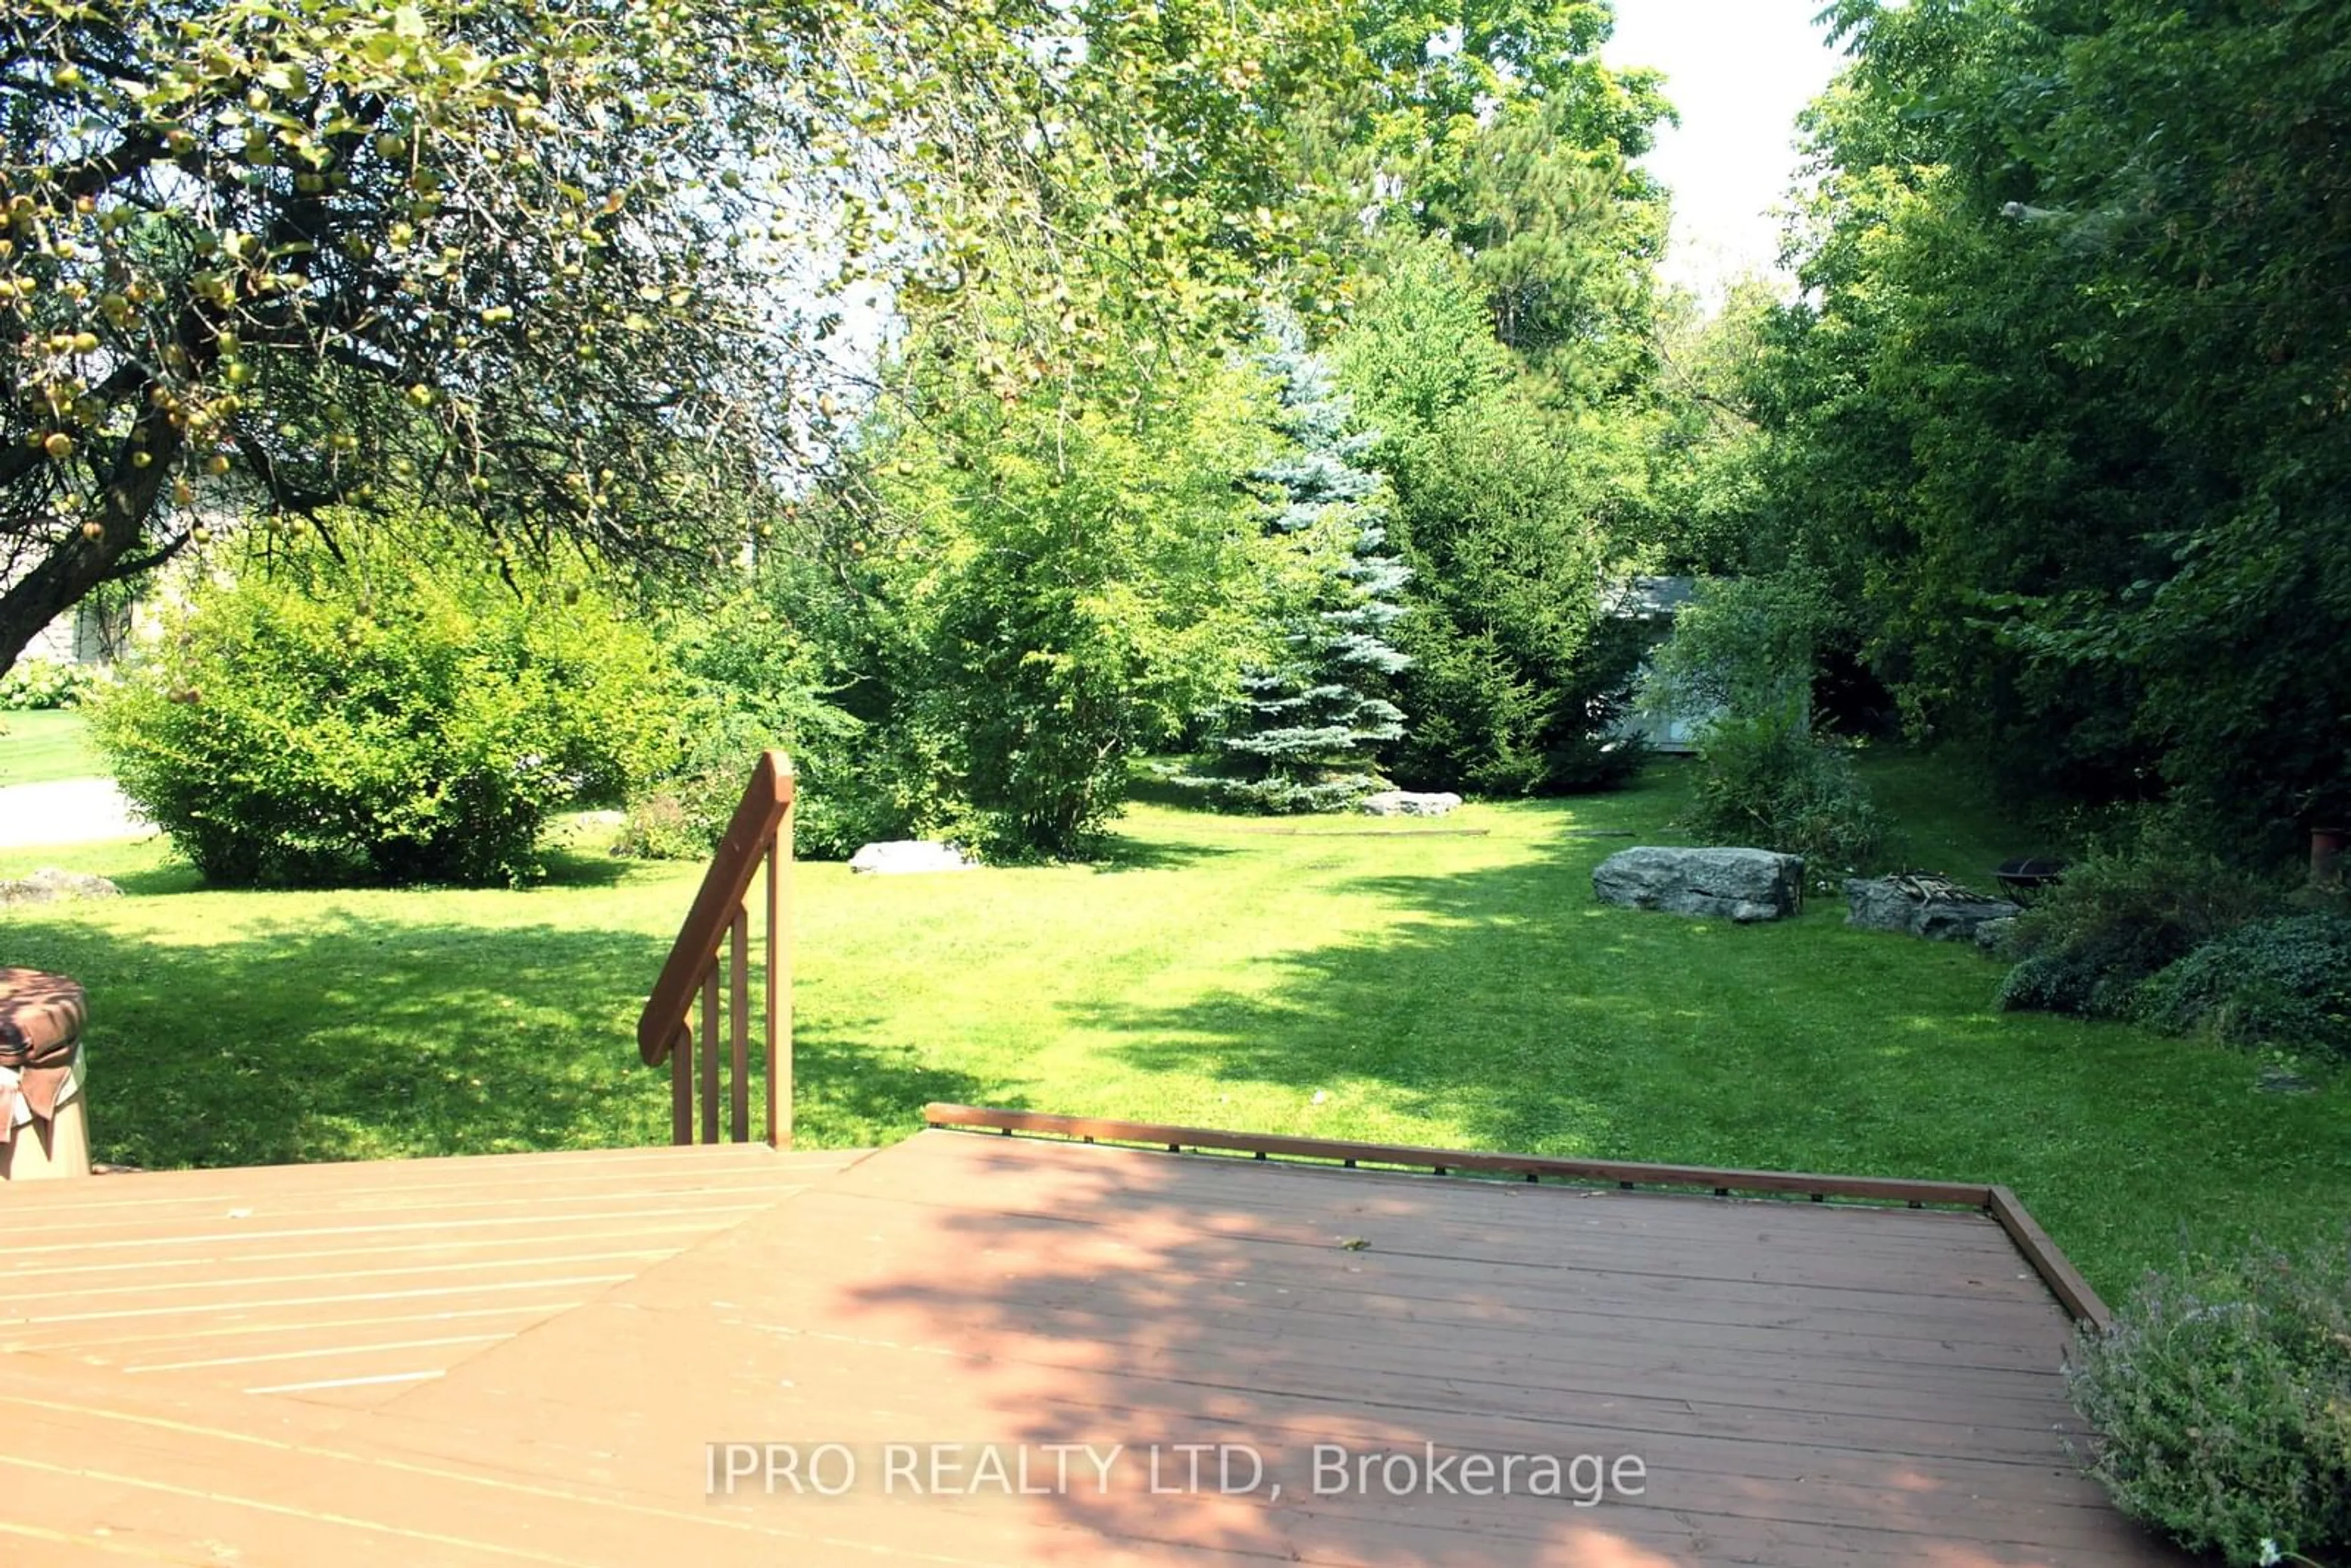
[606, 1358]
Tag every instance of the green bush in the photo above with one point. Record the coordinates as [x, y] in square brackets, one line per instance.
[1057, 590]
[2272, 982]
[44, 683]
[764, 663]
[659, 827]
[402, 717]
[2220, 1398]
[2122, 912]
[1768, 783]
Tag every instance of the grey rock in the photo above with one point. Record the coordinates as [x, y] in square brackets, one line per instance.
[1404, 803]
[48, 885]
[1930, 907]
[899, 857]
[1717, 884]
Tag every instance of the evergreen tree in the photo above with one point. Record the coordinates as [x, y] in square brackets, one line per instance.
[1304, 735]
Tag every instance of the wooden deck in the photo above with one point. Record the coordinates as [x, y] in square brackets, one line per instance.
[571, 1349]
[350, 1282]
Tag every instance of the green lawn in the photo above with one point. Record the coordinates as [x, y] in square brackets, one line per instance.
[45, 745]
[1434, 987]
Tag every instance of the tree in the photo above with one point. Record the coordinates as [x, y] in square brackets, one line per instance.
[536, 263]
[1305, 734]
[1056, 583]
[1496, 125]
[1506, 512]
[1704, 480]
[2061, 416]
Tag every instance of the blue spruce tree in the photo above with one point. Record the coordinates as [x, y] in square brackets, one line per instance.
[1305, 736]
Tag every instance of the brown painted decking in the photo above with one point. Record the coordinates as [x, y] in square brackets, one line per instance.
[1809, 1385]
[352, 1282]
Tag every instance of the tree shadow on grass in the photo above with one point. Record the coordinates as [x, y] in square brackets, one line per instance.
[583, 868]
[1512, 1011]
[353, 1038]
[1121, 853]
[172, 876]
[1437, 1015]
[1511, 1005]
[849, 1094]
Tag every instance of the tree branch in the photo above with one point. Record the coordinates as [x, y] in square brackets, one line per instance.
[92, 175]
[283, 495]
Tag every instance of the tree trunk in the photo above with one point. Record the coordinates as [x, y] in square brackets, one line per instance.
[104, 549]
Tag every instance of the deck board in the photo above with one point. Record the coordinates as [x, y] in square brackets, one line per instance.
[1814, 1385]
[1010, 1291]
[361, 1278]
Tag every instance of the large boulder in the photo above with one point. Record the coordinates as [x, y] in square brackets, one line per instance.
[49, 884]
[1933, 907]
[898, 857]
[1723, 884]
[1404, 803]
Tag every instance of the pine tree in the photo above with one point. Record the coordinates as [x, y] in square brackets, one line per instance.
[1304, 735]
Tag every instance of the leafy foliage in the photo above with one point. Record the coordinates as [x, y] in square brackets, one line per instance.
[396, 718]
[2123, 912]
[1742, 646]
[1742, 651]
[522, 261]
[1768, 783]
[1056, 584]
[1706, 490]
[1496, 126]
[1303, 735]
[2286, 981]
[2060, 414]
[2221, 1400]
[767, 659]
[1503, 514]
[44, 683]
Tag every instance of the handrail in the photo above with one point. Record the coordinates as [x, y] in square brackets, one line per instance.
[718, 927]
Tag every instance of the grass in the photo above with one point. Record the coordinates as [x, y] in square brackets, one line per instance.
[45, 745]
[1437, 988]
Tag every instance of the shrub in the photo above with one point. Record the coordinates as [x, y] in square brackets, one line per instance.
[44, 683]
[1767, 781]
[658, 827]
[761, 663]
[1061, 588]
[2285, 982]
[849, 791]
[2122, 912]
[2222, 1402]
[398, 719]
[1746, 646]
[1600, 762]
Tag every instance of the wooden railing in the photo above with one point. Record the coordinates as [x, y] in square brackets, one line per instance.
[2065, 1281]
[713, 954]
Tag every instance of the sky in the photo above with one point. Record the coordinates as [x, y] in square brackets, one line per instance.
[1738, 71]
